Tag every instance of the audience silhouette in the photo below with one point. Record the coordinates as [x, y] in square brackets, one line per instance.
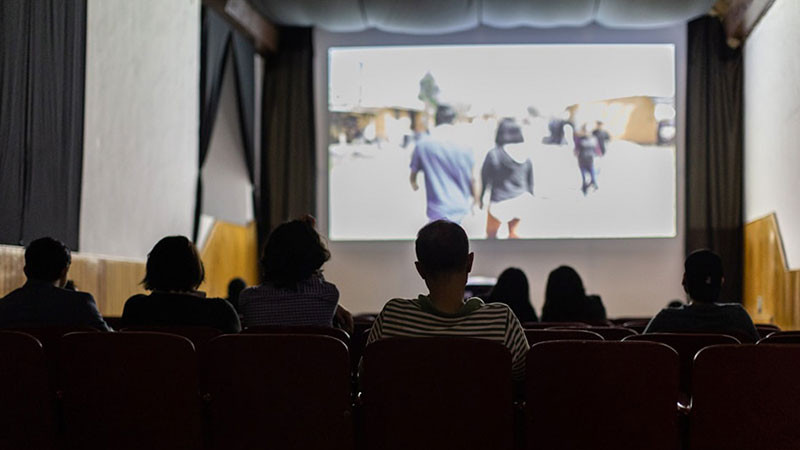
[702, 280]
[174, 271]
[513, 290]
[43, 301]
[294, 292]
[566, 299]
[444, 263]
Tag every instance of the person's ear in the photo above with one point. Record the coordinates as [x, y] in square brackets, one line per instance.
[470, 260]
[420, 269]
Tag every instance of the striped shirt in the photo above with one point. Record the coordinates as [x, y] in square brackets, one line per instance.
[312, 303]
[419, 318]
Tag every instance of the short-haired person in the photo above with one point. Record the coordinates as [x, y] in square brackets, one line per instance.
[702, 281]
[448, 164]
[174, 271]
[294, 292]
[444, 262]
[43, 301]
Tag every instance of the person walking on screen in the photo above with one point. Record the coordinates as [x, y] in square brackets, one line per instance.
[447, 164]
[586, 147]
[508, 173]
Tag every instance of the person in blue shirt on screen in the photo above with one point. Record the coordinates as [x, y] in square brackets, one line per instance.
[448, 167]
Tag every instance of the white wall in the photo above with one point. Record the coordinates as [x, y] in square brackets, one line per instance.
[772, 122]
[634, 276]
[141, 124]
[227, 191]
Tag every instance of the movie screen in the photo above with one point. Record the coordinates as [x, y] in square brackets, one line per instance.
[510, 141]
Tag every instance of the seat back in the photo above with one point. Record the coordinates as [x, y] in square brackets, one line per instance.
[27, 404]
[636, 325]
[745, 397]
[131, 390]
[200, 336]
[545, 325]
[279, 391]
[611, 333]
[687, 345]
[335, 333]
[765, 329]
[565, 334]
[437, 393]
[781, 337]
[601, 395]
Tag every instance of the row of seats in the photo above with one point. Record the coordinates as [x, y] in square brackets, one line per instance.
[151, 390]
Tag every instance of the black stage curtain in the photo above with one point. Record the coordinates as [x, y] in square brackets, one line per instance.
[218, 40]
[714, 149]
[42, 66]
[288, 161]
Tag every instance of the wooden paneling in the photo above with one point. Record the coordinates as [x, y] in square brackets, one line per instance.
[110, 280]
[230, 251]
[771, 290]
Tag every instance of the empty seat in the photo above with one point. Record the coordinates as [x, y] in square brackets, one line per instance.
[437, 393]
[564, 334]
[745, 397]
[545, 325]
[132, 390]
[27, 404]
[636, 325]
[601, 395]
[611, 333]
[336, 333]
[621, 321]
[781, 337]
[279, 391]
[687, 345]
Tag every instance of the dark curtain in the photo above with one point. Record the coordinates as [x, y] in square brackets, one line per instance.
[288, 162]
[714, 149]
[42, 65]
[218, 41]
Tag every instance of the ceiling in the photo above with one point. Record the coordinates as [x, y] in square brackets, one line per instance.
[444, 16]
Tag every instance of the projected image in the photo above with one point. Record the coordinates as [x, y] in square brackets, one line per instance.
[510, 141]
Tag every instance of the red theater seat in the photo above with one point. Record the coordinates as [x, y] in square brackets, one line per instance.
[545, 325]
[565, 334]
[782, 337]
[437, 393]
[200, 336]
[636, 325]
[610, 333]
[765, 329]
[745, 398]
[320, 331]
[687, 345]
[27, 404]
[133, 390]
[601, 395]
[279, 391]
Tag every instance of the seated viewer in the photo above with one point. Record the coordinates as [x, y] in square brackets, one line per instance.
[702, 281]
[43, 301]
[444, 262]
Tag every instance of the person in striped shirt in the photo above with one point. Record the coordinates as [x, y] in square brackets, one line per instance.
[444, 262]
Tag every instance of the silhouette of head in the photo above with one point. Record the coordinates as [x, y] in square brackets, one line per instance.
[47, 259]
[173, 265]
[445, 114]
[703, 277]
[564, 295]
[235, 286]
[293, 252]
[442, 249]
[513, 290]
[508, 132]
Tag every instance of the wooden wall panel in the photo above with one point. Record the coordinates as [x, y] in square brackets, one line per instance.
[230, 251]
[771, 290]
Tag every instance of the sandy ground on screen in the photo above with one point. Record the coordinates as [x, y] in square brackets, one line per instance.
[370, 197]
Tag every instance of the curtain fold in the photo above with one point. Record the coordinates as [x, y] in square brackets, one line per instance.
[42, 67]
[714, 149]
[288, 156]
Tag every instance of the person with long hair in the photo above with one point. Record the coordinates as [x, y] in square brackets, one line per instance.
[566, 300]
[507, 172]
[512, 289]
[293, 292]
[173, 273]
